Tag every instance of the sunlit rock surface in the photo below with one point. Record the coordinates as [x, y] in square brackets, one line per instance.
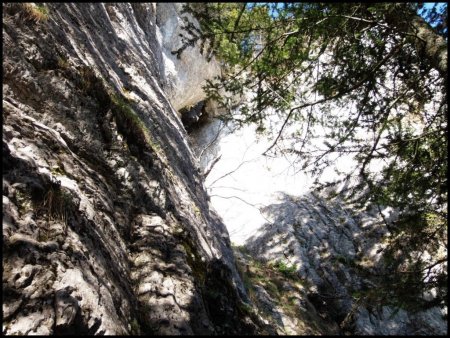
[107, 228]
[187, 74]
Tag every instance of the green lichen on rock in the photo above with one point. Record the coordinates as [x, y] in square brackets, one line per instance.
[195, 262]
[132, 126]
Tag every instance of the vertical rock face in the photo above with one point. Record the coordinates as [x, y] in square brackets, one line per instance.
[187, 73]
[106, 225]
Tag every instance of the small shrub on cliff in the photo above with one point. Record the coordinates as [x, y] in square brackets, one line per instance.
[135, 327]
[63, 63]
[286, 270]
[56, 202]
[51, 202]
[128, 121]
[94, 86]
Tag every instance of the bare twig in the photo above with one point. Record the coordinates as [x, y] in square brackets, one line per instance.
[337, 95]
[213, 141]
[231, 172]
[213, 163]
[248, 203]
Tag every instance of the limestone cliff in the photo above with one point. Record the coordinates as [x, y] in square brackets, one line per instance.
[107, 228]
[335, 250]
[185, 74]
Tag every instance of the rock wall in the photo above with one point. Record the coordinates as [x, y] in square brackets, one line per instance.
[336, 251]
[186, 75]
[107, 228]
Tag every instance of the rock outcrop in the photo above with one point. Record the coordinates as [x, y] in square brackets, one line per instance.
[186, 73]
[335, 250]
[107, 228]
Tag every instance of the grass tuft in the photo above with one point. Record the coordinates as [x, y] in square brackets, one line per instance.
[131, 122]
[34, 13]
[57, 203]
[286, 270]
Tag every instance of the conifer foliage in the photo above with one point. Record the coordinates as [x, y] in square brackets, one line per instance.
[373, 78]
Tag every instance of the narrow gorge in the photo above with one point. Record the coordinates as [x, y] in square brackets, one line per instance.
[114, 221]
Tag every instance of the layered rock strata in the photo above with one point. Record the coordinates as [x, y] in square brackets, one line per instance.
[107, 228]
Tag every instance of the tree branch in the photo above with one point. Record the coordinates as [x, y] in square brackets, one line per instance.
[236, 23]
[335, 96]
[230, 172]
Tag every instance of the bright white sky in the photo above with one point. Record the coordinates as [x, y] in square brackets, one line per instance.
[237, 197]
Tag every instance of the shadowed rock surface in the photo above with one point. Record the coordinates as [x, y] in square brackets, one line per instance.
[335, 250]
[106, 224]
